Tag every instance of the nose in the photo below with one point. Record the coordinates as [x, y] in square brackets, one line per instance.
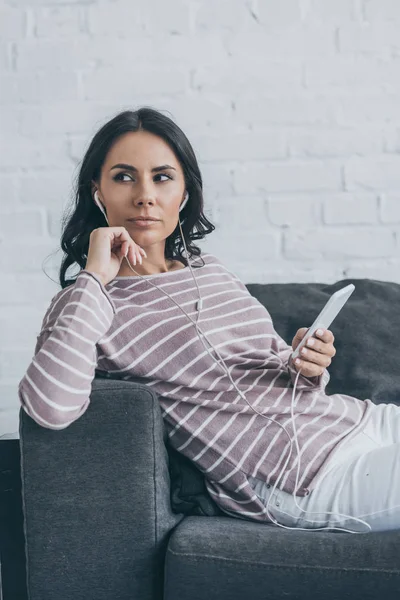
[145, 193]
[144, 198]
[144, 201]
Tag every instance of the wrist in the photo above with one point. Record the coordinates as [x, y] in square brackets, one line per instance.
[96, 275]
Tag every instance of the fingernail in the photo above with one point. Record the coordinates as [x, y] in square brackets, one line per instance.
[319, 332]
[297, 361]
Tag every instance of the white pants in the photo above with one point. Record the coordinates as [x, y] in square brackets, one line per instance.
[362, 480]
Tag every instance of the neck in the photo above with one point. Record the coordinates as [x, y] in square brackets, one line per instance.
[147, 269]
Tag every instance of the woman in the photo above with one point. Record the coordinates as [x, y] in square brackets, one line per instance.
[150, 322]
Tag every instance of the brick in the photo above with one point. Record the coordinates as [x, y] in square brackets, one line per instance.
[161, 50]
[239, 249]
[23, 151]
[9, 124]
[347, 208]
[285, 109]
[280, 45]
[8, 89]
[109, 84]
[47, 2]
[77, 118]
[363, 107]
[381, 173]
[338, 11]
[287, 177]
[13, 23]
[390, 208]
[369, 38]
[35, 289]
[20, 327]
[354, 71]
[216, 177]
[211, 110]
[61, 54]
[24, 223]
[280, 14]
[280, 75]
[392, 140]
[228, 15]
[13, 364]
[50, 190]
[9, 190]
[241, 146]
[33, 256]
[59, 21]
[339, 244]
[124, 21]
[57, 86]
[322, 142]
[240, 213]
[385, 10]
[383, 270]
[294, 210]
[151, 18]
[7, 57]
[282, 271]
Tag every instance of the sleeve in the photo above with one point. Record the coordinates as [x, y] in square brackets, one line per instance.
[55, 390]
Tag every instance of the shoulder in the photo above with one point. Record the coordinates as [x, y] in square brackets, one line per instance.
[62, 297]
[213, 260]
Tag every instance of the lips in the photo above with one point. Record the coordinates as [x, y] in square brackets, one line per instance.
[146, 219]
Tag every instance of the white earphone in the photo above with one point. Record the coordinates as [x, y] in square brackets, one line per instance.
[197, 328]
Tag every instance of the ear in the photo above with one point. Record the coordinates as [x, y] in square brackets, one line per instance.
[93, 187]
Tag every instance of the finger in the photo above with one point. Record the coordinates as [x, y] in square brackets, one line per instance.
[131, 255]
[302, 332]
[326, 336]
[308, 369]
[321, 347]
[322, 360]
[123, 235]
[135, 253]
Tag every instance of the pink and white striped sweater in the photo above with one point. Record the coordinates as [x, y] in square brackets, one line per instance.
[131, 330]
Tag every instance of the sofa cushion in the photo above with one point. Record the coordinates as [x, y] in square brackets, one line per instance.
[241, 559]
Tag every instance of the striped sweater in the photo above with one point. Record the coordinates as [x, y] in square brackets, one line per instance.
[129, 329]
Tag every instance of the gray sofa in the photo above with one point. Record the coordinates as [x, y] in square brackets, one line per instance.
[112, 513]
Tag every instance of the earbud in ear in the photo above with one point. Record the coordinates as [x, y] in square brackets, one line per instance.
[184, 202]
[99, 204]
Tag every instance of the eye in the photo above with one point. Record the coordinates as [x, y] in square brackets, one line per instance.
[119, 176]
[165, 175]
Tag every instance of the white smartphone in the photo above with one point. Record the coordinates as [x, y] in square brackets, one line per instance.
[327, 314]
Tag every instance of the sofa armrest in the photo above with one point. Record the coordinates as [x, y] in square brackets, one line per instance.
[96, 499]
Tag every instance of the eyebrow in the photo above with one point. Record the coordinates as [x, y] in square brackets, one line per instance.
[134, 169]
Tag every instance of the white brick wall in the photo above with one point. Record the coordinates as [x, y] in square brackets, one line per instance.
[292, 106]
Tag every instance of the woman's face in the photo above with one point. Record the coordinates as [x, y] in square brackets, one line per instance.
[135, 189]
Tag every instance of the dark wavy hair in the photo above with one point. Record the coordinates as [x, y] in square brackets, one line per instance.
[85, 217]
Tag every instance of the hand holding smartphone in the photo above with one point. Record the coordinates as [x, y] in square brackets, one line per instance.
[327, 314]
